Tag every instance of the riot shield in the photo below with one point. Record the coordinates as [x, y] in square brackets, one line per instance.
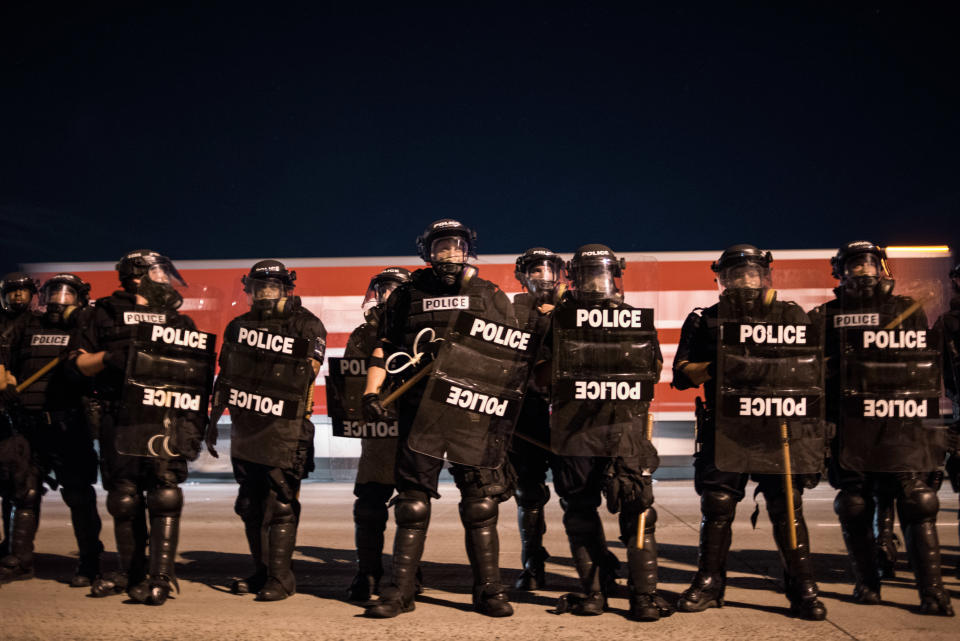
[266, 377]
[770, 409]
[474, 392]
[890, 376]
[345, 382]
[604, 372]
[166, 390]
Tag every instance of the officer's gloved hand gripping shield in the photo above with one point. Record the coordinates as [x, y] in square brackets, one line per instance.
[604, 355]
[166, 391]
[890, 371]
[770, 374]
[346, 382]
[474, 392]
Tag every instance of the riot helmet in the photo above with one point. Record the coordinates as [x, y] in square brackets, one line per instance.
[448, 245]
[61, 295]
[380, 288]
[16, 292]
[596, 274]
[152, 276]
[743, 274]
[861, 268]
[540, 271]
[268, 286]
[955, 278]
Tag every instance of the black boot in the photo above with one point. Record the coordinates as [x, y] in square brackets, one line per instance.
[479, 518]
[587, 547]
[370, 521]
[164, 534]
[82, 502]
[413, 517]
[18, 565]
[799, 585]
[709, 583]
[256, 533]
[855, 511]
[923, 548]
[645, 603]
[282, 540]
[532, 527]
[887, 542]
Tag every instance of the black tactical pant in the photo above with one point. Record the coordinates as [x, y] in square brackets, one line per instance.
[268, 503]
[481, 492]
[719, 493]
[917, 506]
[20, 488]
[580, 481]
[62, 448]
[136, 486]
[531, 459]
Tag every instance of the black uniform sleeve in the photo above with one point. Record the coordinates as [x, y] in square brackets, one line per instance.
[686, 351]
[393, 326]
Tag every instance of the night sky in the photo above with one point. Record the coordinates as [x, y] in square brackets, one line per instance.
[342, 129]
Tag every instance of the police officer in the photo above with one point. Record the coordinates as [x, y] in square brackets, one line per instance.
[539, 271]
[375, 479]
[743, 274]
[271, 452]
[865, 298]
[430, 301]
[624, 475]
[16, 294]
[948, 326]
[137, 485]
[49, 414]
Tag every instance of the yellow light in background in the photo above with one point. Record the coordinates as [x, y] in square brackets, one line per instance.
[940, 249]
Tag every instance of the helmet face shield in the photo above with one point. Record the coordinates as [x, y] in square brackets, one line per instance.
[449, 249]
[162, 271]
[58, 294]
[597, 280]
[746, 275]
[17, 299]
[378, 293]
[862, 265]
[541, 277]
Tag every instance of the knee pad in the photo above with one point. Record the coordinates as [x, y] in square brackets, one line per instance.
[412, 514]
[477, 513]
[920, 503]
[777, 505]
[718, 505]
[248, 508]
[852, 506]
[30, 499]
[581, 521]
[123, 505]
[532, 495]
[282, 511]
[165, 501]
[370, 511]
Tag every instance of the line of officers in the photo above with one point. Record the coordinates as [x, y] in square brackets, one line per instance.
[558, 380]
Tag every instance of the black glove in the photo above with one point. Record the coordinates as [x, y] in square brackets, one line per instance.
[373, 409]
[116, 358]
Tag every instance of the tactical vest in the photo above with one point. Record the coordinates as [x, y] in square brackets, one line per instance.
[126, 317]
[431, 306]
[40, 343]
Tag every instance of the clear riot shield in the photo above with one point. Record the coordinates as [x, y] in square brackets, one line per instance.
[265, 381]
[770, 409]
[604, 371]
[345, 383]
[474, 393]
[890, 376]
[166, 390]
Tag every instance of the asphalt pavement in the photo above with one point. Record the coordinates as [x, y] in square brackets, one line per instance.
[212, 553]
